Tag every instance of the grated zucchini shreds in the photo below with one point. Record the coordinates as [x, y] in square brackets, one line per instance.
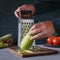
[23, 51]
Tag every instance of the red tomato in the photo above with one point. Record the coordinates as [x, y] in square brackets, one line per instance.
[49, 40]
[9, 42]
[56, 41]
[59, 39]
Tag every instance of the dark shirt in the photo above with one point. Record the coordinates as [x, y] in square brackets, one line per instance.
[49, 10]
[8, 21]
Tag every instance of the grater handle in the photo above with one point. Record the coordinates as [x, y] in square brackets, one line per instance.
[24, 14]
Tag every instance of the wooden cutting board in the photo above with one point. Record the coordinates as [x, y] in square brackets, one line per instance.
[41, 52]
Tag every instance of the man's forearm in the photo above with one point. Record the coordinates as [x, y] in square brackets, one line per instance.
[56, 23]
[52, 16]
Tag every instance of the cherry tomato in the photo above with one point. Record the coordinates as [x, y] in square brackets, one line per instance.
[49, 40]
[9, 42]
[56, 40]
[59, 40]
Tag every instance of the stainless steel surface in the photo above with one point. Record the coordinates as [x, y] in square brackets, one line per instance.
[23, 25]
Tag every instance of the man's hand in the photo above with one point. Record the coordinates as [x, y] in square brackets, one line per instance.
[41, 30]
[27, 7]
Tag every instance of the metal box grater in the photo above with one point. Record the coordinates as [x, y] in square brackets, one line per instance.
[23, 27]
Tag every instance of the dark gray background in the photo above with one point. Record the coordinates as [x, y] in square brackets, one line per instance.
[8, 21]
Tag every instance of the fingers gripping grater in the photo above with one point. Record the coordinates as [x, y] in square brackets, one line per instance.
[23, 27]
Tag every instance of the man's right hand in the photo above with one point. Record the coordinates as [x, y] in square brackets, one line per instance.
[26, 7]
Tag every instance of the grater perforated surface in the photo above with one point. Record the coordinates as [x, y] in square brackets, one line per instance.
[23, 27]
[26, 25]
